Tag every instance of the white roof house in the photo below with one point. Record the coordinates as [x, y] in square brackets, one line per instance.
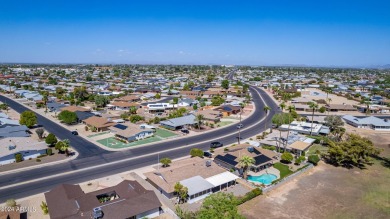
[305, 128]
[368, 122]
[28, 147]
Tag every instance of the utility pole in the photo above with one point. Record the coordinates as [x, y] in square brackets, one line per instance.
[239, 129]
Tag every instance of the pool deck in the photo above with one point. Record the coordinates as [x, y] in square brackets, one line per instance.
[270, 170]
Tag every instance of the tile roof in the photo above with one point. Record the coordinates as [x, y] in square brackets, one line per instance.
[98, 122]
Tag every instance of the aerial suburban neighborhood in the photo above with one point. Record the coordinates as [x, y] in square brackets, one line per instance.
[195, 109]
[155, 144]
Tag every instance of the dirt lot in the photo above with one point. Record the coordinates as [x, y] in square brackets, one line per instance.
[330, 192]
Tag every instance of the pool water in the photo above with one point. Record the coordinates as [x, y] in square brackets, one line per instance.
[265, 179]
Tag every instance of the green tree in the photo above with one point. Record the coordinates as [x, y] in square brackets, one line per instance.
[4, 106]
[51, 139]
[245, 162]
[287, 157]
[219, 205]
[300, 159]
[133, 109]
[333, 122]
[282, 118]
[157, 96]
[355, 150]
[101, 101]
[28, 118]
[196, 152]
[67, 117]
[136, 118]
[225, 84]
[165, 161]
[181, 192]
[195, 107]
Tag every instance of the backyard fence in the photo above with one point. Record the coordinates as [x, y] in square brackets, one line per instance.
[286, 179]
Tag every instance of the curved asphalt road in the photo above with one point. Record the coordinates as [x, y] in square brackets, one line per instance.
[29, 182]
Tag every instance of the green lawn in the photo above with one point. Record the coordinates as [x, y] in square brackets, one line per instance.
[164, 133]
[283, 169]
[113, 143]
[316, 147]
[94, 135]
[223, 123]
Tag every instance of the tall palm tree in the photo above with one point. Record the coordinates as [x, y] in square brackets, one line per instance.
[45, 100]
[199, 118]
[245, 162]
[329, 100]
[266, 109]
[290, 108]
[312, 106]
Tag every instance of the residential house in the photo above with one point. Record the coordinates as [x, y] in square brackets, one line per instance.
[201, 177]
[27, 147]
[14, 131]
[180, 122]
[228, 109]
[305, 128]
[230, 160]
[100, 123]
[210, 115]
[339, 107]
[370, 122]
[128, 199]
[131, 132]
[123, 106]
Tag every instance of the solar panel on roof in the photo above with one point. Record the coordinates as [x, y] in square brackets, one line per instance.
[230, 157]
[120, 126]
[226, 160]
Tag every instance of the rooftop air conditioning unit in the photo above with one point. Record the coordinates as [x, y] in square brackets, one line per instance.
[97, 213]
[251, 149]
[208, 163]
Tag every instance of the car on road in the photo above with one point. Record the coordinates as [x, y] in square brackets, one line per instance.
[216, 144]
[207, 154]
[75, 133]
[240, 126]
[185, 131]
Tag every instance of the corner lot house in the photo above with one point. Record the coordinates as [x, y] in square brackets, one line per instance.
[178, 123]
[100, 123]
[371, 122]
[131, 132]
[305, 128]
[128, 199]
[201, 177]
[27, 147]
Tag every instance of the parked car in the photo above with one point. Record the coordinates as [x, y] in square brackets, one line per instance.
[216, 144]
[240, 125]
[207, 154]
[75, 133]
[185, 131]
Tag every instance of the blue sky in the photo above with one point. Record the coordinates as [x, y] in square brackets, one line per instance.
[269, 32]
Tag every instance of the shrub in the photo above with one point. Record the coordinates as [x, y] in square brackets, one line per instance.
[211, 150]
[38, 160]
[10, 203]
[211, 125]
[250, 195]
[196, 152]
[40, 132]
[49, 151]
[51, 139]
[314, 159]
[299, 160]
[44, 208]
[18, 157]
[86, 128]
[226, 149]
[271, 148]
[287, 157]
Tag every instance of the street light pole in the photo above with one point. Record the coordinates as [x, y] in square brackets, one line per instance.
[239, 128]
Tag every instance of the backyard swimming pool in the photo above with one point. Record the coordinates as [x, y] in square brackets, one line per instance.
[265, 179]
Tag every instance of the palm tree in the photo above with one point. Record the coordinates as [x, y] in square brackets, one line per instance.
[312, 106]
[45, 99]
[282, 106]
[245, 162]
[290, 109]
[200, 118]
[266, 109]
